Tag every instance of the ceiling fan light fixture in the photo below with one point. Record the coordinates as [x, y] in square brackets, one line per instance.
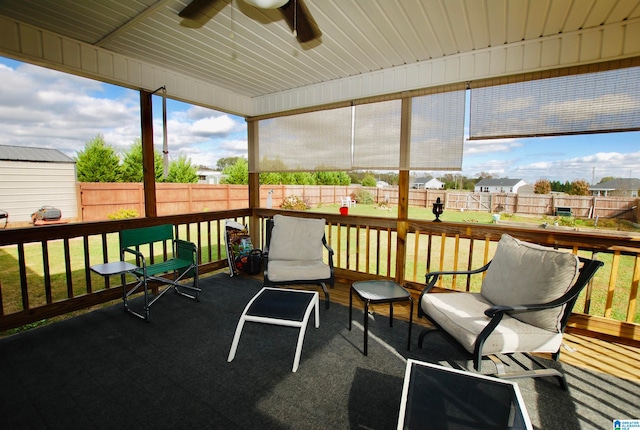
[267, 4]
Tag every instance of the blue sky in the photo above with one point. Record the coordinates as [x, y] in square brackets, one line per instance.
[44, 108]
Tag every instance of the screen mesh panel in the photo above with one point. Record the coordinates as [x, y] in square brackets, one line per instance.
[606, 101]
[437, 131]
[377, 135]
[313, 141]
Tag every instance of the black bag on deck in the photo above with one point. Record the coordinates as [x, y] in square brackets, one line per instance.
[47, 213]
[254, 262]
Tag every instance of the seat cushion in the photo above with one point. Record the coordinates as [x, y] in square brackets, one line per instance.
[462, 316]
[296, 239]
[524, 273]
[296, 270]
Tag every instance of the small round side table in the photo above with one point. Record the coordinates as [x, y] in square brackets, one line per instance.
[379, 291]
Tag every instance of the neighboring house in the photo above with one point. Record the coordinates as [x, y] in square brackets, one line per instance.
[427, 182]
[499, 185]
[617, 187]
[34, 177]
[209, 176]
[382, 184]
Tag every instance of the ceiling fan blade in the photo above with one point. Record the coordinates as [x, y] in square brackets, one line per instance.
[196, 9]
[299, 19]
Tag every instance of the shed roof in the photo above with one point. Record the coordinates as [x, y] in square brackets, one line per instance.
[42, 155]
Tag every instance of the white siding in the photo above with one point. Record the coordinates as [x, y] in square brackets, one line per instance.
[579, 47]
[26, 186]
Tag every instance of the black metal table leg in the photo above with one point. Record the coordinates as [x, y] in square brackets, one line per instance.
[410, 323]
[366, 325]
[350, 305]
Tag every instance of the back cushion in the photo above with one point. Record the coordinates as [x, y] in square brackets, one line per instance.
[295, 238]
[524, 273]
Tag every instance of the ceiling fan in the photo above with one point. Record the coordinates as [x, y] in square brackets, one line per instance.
[295, 12]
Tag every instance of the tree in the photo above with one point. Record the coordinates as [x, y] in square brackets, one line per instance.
[344, 179]
[332, 178]
[182, 171]
[580, 188]
[132, 164]
[369, 180]
[270, 178]
[606, 179]
[485, 175]
[237, 173]
[225, 162]
[542, 186]
[98, 162]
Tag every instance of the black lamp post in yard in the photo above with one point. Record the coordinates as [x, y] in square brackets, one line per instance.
[438, 208]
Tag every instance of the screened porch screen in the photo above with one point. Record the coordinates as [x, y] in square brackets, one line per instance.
[314, 141]
[605, 101]
[367, 136]
[376, 136]
[437, 131]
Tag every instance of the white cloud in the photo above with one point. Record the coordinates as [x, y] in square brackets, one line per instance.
[45, 108]
[212, 126]
[475, 147]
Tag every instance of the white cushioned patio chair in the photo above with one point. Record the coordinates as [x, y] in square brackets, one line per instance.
[294, 253]
[524, 305]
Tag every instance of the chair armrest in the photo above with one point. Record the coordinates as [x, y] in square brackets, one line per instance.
[560, 301]
[432, 278]
[329, 250]
[139, 256]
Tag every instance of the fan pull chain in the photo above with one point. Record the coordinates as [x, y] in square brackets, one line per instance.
[295, 18]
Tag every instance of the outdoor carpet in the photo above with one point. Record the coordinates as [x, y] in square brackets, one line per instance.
[107, 369]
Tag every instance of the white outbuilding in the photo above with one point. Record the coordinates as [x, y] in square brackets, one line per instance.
[34, 177]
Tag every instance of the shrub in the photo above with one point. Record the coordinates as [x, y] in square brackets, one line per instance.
[123, 214]
[294, 203]
[567, 221]
[363, 197]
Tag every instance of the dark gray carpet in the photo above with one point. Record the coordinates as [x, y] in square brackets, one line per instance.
[107, 369]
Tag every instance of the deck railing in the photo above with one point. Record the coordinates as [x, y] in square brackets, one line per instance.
[35, 286]
[367, 247]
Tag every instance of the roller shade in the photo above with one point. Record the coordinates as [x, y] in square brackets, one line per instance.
[367, 137]
[599, 102]
[437, 131]
[314, 141]
[377, 135]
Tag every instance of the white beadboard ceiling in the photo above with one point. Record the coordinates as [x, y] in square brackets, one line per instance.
[251, 53]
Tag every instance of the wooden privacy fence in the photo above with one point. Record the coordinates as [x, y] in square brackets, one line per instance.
[98, 200]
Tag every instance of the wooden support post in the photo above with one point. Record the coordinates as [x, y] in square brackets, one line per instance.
[403, 190]
[148, 165]
[254, 181]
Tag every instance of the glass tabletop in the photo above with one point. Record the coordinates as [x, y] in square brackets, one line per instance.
[440, 397]
[380, 290]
